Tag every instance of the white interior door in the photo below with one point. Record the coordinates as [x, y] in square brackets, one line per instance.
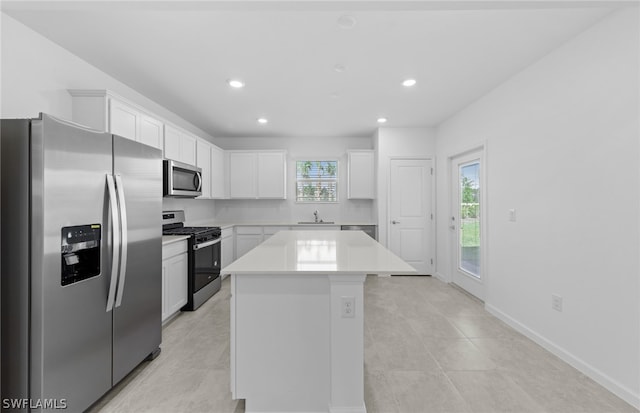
[411, 220]
[466, 223]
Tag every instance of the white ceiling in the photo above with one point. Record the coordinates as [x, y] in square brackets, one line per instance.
[181, 55]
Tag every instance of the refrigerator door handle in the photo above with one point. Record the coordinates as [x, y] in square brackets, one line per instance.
[125, 240]
[115, 245]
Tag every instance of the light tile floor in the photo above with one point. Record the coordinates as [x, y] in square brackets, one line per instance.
[429, 347]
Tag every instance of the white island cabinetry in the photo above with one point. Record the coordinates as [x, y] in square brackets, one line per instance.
[297, 320]
[174, 277]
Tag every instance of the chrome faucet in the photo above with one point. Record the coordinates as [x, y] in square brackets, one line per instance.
[315, 214]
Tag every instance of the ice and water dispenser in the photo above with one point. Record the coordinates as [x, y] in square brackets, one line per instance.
[80, 250]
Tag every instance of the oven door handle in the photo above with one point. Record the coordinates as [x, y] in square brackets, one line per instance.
[205, 244]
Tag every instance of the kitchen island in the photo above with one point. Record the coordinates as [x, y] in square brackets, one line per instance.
[297, 320]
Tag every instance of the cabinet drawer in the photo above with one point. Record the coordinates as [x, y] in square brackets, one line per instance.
[243, 230]
[227, 232]
[173, 249]
[272, 230]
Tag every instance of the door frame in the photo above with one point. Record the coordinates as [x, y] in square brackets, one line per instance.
[452, 236]
[432, 235]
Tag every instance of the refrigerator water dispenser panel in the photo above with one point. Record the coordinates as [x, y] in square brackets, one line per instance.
[80, 253]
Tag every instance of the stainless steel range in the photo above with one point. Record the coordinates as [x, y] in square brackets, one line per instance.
[203, 255]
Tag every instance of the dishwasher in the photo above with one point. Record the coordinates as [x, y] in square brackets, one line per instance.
[370, 230]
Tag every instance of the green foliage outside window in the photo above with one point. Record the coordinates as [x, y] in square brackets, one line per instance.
[317, 181]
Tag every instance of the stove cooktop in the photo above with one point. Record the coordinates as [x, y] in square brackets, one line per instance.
[190, 230]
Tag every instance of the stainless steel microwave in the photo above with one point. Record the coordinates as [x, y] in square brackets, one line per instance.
[181, 180]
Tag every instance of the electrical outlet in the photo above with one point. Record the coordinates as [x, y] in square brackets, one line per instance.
[556, 302]
[512, 215]
[348, 307]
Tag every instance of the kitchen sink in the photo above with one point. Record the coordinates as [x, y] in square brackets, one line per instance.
[316, 223]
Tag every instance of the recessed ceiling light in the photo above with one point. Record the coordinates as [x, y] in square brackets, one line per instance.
[382, 120]
[409, 82]
[263, 120]
[339, 68]
[346, 21]
[235, 83]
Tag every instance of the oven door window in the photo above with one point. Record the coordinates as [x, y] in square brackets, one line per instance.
[184, 179]
[207, 265]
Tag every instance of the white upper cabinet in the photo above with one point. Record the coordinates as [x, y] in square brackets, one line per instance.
[103, 110]
[272, 175]
[361, 175]
[123, 119]
[203, 161]
[151, 131]
[257, 174]
[179, 145]
[217, 173]
[242, 175]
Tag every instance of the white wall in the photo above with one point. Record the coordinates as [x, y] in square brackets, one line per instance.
[395, 143]
[35, 76]
[563, 151]
[289, 210]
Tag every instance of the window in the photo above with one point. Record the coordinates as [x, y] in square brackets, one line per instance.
[317, 181]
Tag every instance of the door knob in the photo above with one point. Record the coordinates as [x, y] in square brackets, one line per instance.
[395, 222]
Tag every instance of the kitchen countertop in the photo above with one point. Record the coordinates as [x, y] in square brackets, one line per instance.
[225, 225]
[319, 252]
[170, 239]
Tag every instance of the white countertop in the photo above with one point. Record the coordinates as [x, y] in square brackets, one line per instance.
[224, 225]
[319, 252]
[169, 239]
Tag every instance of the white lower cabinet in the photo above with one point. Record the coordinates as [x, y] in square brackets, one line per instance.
[248, 237]
[174, 278]
[268, 232]
[246, 240]
[317, 227]
[228, 247]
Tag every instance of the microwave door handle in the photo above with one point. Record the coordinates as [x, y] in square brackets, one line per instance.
[205, 244]
[115, 244]
[199, 178]
[125, 239]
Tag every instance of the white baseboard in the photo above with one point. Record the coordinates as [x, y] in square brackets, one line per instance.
[607, 382]
[442, 277]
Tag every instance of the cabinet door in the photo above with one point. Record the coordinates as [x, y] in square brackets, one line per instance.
[245, 243]
[123, 119]
[227, 251]
[176, 283]
[171, 143]
[271, 175]
[361, 174]
[242, 175]
[203, 160]
[217, 172]
[150, 132]
[165, 290]
[187, 149]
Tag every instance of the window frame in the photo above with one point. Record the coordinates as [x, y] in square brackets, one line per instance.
[317, 159]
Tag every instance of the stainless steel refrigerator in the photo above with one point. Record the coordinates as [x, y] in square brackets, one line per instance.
[81, 290]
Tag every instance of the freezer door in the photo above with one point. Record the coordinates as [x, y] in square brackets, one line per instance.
[138, 309]
[70, 263]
